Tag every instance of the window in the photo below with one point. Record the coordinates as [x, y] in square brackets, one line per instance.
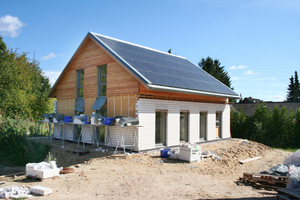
[184, 121]
[203, 117]
[80, 83]
[218, 124]
[102, 81]
[101, 105]
[160, 127]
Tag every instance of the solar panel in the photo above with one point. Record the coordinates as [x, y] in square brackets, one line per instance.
[164, 69]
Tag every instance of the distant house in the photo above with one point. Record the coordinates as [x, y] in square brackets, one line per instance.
[248, 105]
[250, 100]
[174, 100]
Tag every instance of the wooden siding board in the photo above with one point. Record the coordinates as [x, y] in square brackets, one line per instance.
[144, 92]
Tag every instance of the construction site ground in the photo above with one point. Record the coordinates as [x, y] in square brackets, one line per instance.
[146, 175]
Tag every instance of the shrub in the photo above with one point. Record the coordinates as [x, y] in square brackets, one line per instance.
[15, 148]
[276, 128]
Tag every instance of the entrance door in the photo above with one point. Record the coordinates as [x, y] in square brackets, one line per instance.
[184, 121]
[203, 116]
[218, 124]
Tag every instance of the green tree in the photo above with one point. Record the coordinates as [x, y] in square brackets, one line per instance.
[297, 128]
[294, 89]
[23, 88]
[214, 68]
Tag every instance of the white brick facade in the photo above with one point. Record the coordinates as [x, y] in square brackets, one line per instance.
[146, 110]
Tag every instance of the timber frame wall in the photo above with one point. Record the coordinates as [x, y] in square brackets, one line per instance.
[123, 90]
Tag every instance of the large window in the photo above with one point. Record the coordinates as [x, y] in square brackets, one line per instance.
[102, 81]
[80, 83]
[203, 117]
[218, 124]
[184, 121]
[102, 74]
[160, 127]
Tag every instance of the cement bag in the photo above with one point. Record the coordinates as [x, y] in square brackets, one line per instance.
[294, 178]
[293, 159]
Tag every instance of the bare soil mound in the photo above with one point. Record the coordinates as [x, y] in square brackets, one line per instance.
[148, 176]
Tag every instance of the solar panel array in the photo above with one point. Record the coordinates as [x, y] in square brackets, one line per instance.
[164, 69]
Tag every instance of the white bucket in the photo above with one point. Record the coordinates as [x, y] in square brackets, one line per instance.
[53, 164]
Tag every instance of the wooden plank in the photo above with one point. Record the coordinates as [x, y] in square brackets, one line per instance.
[271, 179]
[144, 92]
[292, 194]
[250, 159]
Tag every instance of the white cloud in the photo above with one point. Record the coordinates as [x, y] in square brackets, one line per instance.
[52, 75]
[272, 78]
[49, 56]
[235, 78]
[10, 26]
[249, 72]
[239, 67]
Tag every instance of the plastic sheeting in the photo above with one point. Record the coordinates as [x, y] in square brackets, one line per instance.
[98, 103]
[294, 178]
[279, 170]
[79, 105]
[124, 121]
[293, 159]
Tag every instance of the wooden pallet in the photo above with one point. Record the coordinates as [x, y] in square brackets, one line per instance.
[288, 194]
[266, 178]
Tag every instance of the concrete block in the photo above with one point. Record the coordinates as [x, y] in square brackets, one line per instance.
[40, 190]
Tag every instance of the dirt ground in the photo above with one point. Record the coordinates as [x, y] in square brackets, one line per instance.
[148, 176]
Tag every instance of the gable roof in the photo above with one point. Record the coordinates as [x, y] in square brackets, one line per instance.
[162, 71]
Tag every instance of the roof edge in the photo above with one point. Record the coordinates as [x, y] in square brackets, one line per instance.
[124, 62]
[188, 91]
[159, 51]
[53, 89]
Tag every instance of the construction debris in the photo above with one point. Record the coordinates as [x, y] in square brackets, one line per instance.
[266, 178]
[40, 190]
[294, 177]
[249, 159]
[293, 159]
[66, 170]
[288, 194]
[42, 170]
[14, 192]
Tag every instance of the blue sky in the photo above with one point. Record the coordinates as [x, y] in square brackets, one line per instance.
[258, 42]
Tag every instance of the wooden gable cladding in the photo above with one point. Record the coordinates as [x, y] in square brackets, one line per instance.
[119, 81]
[88, 58]
[152, 94]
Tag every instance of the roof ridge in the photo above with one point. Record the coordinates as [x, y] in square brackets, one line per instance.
[141, 46]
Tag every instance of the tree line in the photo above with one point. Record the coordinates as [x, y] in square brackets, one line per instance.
[274, 127]
[23, 88]
[294, 89]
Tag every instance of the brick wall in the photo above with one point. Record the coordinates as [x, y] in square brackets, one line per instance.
[146, 115]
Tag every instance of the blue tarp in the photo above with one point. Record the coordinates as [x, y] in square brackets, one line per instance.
[79, 105]
[98, 103]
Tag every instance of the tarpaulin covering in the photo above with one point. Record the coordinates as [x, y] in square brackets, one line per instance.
[124, 121]
[98, 103]
[79, 105]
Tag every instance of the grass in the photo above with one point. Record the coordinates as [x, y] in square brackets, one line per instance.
[288, 149]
